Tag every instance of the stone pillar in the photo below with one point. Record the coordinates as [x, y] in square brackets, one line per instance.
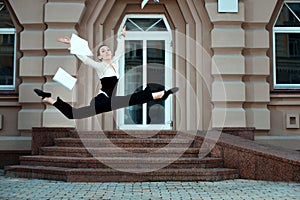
[42, 55]
[228, 66]
[257, 63]
[31, 64]
[60, 18]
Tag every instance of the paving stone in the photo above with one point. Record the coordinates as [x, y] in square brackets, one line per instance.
[33, 189]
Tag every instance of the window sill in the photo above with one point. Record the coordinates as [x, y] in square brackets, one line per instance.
[6, 92]
[9, 96]
[285, 93]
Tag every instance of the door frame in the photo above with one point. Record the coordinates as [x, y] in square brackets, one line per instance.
[148, 36]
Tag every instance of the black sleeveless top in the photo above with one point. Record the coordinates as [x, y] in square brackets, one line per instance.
[109, 85]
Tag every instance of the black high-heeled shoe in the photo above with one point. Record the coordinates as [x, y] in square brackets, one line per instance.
[169, 92]
[42, 93]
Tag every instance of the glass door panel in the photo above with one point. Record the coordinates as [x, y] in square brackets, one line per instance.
[156, 79]
[145, 64]
[133, 79]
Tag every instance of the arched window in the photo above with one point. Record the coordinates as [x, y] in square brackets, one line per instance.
[7, 49]
[286, 41]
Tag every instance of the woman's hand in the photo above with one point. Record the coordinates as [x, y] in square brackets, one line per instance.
[124, 31]
[65, 40]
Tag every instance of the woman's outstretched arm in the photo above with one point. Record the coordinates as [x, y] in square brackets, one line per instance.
[85, 59]
[120, 46]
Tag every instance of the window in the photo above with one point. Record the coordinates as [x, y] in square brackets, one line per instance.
[145, 24]
[7, 49]
[286, 41]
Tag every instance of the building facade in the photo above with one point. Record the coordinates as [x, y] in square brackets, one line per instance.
[236, 65]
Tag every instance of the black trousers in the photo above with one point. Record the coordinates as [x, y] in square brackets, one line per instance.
[101, 103]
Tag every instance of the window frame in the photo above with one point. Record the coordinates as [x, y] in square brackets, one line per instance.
[286, 30]
[11, 31]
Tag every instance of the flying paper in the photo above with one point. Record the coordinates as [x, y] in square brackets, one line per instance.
[64, 78]
[79, 46]
[144, 2]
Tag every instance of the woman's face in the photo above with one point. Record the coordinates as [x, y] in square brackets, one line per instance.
[105, 53]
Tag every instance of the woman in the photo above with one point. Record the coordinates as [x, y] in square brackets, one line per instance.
[106, 100]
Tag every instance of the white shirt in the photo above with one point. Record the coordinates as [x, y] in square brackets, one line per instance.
[103, 69]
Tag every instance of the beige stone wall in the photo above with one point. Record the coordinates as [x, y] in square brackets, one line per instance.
[228, 88]
[43, 22]
[257, 63]
[224, 58]
[28, 22]
[9, 105]
[99, 21]
[284, 105]
[60, 18]
[240, 69]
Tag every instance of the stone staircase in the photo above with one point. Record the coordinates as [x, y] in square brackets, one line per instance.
[118, 156]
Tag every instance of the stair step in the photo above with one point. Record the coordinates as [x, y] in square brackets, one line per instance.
[121, 162]
[119, 152]
[125, 142]
[123, 156]
[125, 134]
[111, 175]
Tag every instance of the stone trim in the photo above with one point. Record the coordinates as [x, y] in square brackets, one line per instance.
[256, 161]
[42, 137]
[11, 157]
[247, 133]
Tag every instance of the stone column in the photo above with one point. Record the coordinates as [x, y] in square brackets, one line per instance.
[228, 66]
[42, 55]
[257, 63]
[31, 63]
[60, 18]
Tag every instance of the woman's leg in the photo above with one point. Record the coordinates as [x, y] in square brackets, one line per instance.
[102, 103]
[136, 98]
[140, 97]
[74, 113]
[98, 104]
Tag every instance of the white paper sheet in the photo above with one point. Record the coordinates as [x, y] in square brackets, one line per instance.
[144, 2]
[79, 46]
[64, 78]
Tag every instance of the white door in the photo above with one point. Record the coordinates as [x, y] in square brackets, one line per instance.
[147, 60]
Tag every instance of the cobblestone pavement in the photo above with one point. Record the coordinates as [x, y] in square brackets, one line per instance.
[19, 188]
